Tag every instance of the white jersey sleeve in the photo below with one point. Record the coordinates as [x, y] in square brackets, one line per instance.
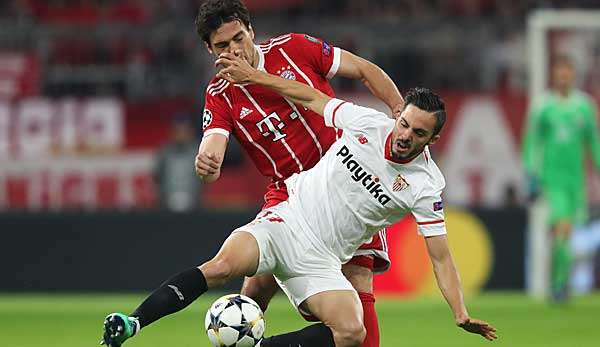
[345, 115]
[428, 211]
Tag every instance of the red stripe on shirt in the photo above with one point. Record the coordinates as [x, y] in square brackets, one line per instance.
[431, 222]
[333, 115]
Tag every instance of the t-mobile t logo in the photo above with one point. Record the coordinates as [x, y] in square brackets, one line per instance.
[273, 126]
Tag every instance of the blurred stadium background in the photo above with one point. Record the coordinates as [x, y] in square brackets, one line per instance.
[92, 92]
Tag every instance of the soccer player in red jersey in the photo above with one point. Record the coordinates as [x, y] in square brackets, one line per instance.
[283, 138]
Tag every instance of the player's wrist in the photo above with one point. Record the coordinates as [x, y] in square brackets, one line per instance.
[255, 76]
[461, 319]
[210, 178]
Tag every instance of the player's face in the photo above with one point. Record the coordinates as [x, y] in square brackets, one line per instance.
[231, 37]
[412, 132]
[564, 76]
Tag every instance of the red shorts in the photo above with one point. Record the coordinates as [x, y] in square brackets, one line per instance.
[372, 255]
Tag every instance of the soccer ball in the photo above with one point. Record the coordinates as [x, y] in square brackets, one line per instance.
[234, 320]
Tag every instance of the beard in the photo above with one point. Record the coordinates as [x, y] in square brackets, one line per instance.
[408, 155]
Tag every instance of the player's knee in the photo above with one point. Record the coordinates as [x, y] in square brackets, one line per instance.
[350, 334]
[360, 277]
[217, 272]
[256, 292]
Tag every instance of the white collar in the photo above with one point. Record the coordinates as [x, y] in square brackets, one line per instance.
[261, 59]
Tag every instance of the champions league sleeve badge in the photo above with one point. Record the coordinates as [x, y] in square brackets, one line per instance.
[207, 118]
[326, 49]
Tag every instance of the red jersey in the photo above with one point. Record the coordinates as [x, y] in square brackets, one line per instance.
[281, 137]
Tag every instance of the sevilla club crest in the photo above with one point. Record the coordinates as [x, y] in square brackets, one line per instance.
[399, 184]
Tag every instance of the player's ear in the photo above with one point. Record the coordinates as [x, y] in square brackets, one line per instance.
[251, 31]
[433, 139]
[208, 48]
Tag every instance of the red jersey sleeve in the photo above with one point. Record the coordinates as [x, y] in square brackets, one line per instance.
[216, 117]
[323, 57]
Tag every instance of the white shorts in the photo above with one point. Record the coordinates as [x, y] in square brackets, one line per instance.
[302, 265]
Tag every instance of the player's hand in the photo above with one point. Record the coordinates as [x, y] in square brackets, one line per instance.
[207, 164]
[397, 110]
[235, 68]
[477, 326]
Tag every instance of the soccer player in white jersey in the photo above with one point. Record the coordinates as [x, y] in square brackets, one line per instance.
[376, 173]
[280, 138]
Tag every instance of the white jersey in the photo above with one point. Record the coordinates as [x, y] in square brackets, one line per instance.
[357, 188]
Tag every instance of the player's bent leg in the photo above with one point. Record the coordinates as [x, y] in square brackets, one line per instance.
[341, 311]
[260, 288]
[359, 273]
[173, 295]
[238, 256]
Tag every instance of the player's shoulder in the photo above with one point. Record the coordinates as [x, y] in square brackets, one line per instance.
[350, 107]
[434, 180]
[268, 45]
[357, 118]
[295, 38]
[289, 40]
[543, 102]
[216, 86]
[583, 97]
[375, 119]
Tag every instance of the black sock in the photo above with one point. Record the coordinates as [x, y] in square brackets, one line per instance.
[317, 335]
[173, 295]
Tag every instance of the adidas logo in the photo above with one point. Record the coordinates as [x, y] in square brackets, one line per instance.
[244, 112]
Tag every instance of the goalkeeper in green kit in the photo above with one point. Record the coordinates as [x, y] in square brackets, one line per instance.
[561, 127]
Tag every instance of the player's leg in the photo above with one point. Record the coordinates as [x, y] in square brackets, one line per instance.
[340, 311]
[239, 256]
[562, 212]
[360, 274]
[260, 288]
[341, 315]
[561, 259]
[359, 271]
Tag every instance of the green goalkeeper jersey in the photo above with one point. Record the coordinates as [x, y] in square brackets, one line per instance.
[559, 131]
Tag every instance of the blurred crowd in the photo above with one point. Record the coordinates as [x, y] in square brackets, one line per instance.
[145, 48]
[144, 11]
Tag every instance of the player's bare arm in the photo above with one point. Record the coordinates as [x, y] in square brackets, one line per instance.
[237, 70]
[448, 281]
[374, 78]
[210, 157]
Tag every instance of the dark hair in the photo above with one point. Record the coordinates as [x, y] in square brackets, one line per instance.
[213, 13]
[428, 101]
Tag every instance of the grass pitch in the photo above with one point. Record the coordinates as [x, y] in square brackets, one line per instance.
[76, 321]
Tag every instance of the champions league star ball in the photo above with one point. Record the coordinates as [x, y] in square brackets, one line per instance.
[234, 321]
